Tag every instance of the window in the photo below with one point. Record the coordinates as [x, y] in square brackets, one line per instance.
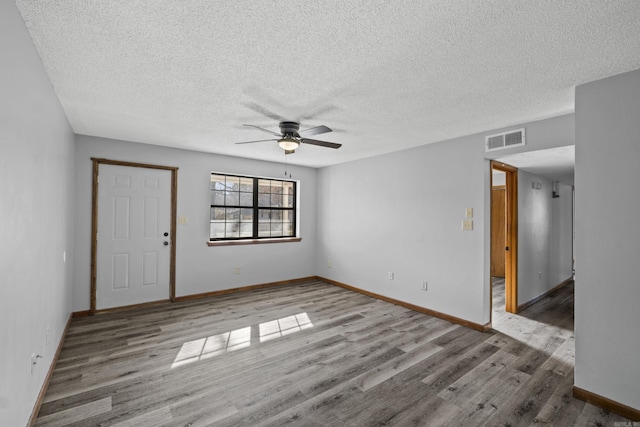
[251, 208]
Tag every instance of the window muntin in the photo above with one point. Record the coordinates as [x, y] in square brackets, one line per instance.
[251, 208]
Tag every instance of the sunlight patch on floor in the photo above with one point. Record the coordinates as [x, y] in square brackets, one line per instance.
[216, 345]
[285, 326]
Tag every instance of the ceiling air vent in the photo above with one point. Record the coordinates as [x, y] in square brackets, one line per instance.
[500, 141]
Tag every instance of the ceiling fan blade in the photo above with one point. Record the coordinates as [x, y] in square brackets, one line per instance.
[315, 131]
[259, 140]
[318, 112]
[263, 129]
[264, 111]
[320, 143]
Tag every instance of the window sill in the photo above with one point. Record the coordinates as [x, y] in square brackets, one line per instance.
[252, 242]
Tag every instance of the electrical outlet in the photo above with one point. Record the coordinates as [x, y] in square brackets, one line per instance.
[329, 264]
[391, 275]
[425, 286]
[467, 225]
[183, 220]
[236, 270]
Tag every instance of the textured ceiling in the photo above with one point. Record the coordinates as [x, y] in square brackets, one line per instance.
[384, 75]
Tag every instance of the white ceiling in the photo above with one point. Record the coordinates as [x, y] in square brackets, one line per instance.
[557, 164]
[384, 75]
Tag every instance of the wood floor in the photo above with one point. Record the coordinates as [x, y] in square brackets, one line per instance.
[314, 354]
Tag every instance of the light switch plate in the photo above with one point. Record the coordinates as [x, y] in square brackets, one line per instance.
[468, 213]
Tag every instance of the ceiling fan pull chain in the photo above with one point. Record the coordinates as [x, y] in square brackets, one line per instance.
[286, 165]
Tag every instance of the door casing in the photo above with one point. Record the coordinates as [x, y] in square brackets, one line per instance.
[511, 234]
[94, 226]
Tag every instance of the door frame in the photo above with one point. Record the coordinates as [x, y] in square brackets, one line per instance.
[511, 234]
[94, 226]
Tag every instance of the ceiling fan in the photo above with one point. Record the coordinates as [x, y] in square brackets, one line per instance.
[290, 137]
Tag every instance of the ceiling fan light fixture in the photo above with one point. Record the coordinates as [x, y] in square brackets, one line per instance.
[288, 143]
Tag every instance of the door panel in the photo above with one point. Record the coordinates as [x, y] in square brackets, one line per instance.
[498, 229]
[120, 279]
[150, 269]
[121, 212]
[134, 212]
[150, 219]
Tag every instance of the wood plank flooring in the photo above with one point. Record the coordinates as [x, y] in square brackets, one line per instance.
[313, 354]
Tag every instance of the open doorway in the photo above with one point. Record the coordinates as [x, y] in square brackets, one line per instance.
[504, 235]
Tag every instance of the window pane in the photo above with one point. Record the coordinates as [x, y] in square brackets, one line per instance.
[276, 187]
[287, 229]
[217, 182]
[217, 214]
[218, 198]
[276, 215]
[246, 215]
[287, 216]
[232, 230]
[264, 186]
[233, 215]
[232, 198]
[264, 229]
[276, 200]
[264, 215]
[217, 230]
[233, 183]
[246, 184]
[276, 229]
[246, 230]
[246, 199]
[264, 200]
[287, 202]
[288, 198]
[287, 187]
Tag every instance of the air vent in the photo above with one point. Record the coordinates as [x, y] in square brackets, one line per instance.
[500, 141]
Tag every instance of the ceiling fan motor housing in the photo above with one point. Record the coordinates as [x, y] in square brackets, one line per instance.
[290, 128]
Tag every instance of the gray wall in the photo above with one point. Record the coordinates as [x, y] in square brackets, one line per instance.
[402, 213]
[544, 236]
[36, 195]
[561, 248]
[608, 238]
[199, 268]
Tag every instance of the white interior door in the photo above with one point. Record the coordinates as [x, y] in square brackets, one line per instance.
[133, 242]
